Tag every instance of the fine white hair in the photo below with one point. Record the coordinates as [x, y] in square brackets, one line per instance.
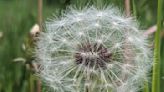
[129, 64]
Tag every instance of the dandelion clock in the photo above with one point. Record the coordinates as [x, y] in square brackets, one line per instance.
[93, 50]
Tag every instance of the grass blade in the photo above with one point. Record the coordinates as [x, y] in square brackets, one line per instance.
[156, 65]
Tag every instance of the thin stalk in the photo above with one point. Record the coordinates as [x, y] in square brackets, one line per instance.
[156, 64]
[99, 3]
[127, 7]
[40, 8]
[31, 85]
[40, 17]
[38, 85]
[146, 89]
[134, 8]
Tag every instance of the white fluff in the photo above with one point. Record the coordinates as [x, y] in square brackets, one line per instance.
[56, 47]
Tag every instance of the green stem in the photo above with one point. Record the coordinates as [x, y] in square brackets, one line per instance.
[31, 83]
[156, 65]
[99, 3]
[146, 89]
[134, 8]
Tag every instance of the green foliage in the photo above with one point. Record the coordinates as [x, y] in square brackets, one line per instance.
[18, 16]
[15, 25]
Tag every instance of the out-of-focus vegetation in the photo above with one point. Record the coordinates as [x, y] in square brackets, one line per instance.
[18, 16]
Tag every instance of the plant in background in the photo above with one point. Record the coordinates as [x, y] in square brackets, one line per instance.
[93, 50]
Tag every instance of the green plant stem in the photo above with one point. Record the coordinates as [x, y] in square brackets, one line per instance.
[99, 3]
[146, 89]
[40, 9]
[134, 8]
[31, 83]
[156, 64]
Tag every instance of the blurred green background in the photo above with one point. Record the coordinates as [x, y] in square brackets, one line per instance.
[17, 18]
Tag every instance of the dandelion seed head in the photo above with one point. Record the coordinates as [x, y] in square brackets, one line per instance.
[93, 49]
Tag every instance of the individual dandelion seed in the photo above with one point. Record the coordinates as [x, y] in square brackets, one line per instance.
[93, 50]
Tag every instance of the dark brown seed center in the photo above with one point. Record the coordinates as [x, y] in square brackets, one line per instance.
[92, 55]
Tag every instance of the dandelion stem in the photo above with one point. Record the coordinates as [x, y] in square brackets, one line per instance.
[156, 65]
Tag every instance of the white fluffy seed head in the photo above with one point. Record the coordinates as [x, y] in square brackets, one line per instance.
[93, 50]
